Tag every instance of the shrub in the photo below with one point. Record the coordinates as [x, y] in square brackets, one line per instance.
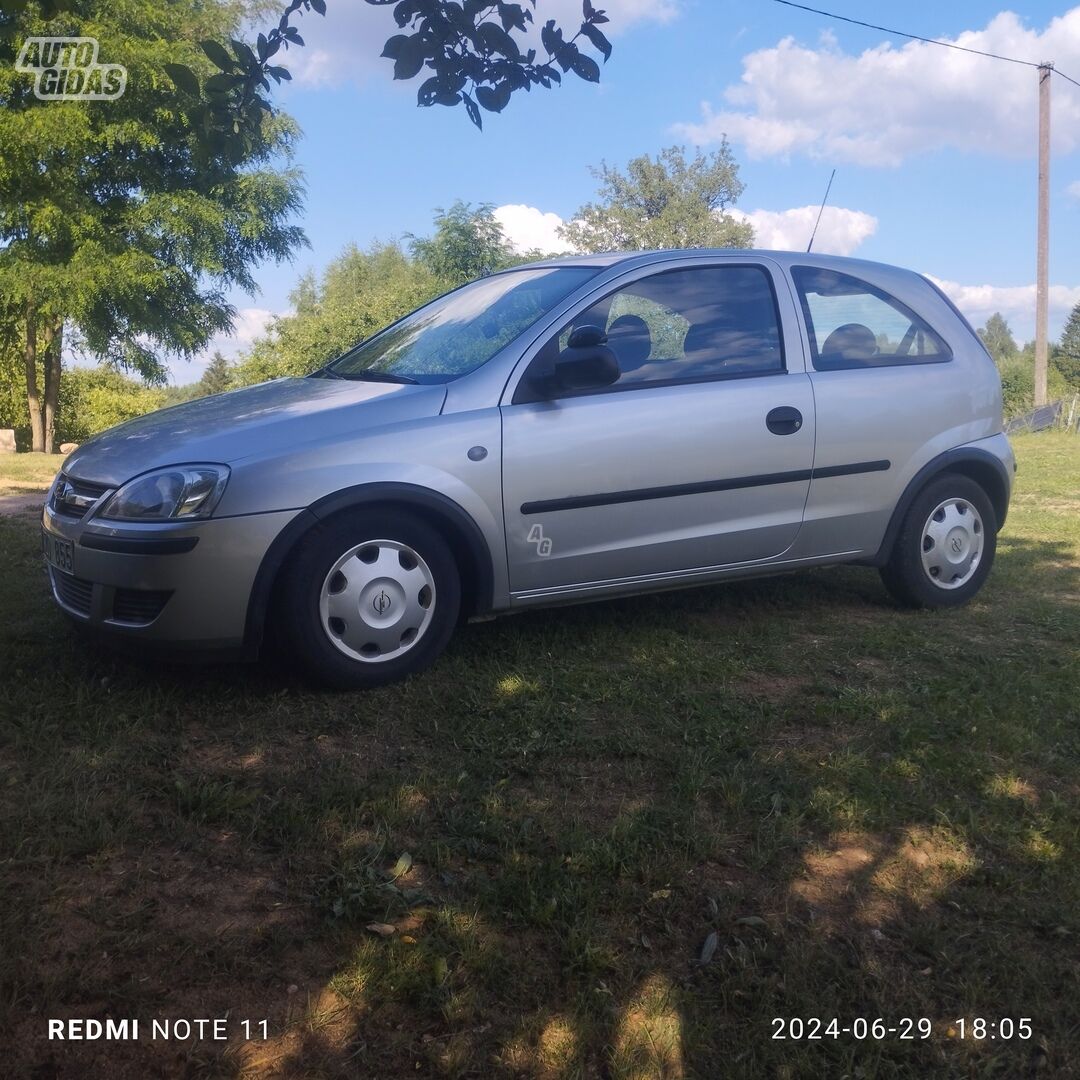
[93, 399]
[1018, 384]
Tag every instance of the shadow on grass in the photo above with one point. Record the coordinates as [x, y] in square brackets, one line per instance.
[872, 810]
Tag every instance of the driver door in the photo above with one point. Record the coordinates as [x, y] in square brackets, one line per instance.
[685, 463]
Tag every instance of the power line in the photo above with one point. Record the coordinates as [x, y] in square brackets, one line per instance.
[1066, 77]
[917, 37]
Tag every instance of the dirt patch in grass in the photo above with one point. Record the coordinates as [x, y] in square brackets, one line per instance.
[774, 689]
[28, 505]
[204, 931]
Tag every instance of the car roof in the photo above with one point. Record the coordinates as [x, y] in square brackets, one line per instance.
[787, 259]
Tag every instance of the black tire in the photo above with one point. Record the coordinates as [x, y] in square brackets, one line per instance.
[300, 619]
[905, 576]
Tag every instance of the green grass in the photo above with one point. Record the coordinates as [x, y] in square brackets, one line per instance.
[876, 813]
[32, 473]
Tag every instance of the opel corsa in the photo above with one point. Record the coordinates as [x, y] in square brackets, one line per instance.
[563, 431]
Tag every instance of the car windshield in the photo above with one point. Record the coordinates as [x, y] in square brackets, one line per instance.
[462, 330]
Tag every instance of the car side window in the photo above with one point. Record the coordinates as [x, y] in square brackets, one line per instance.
[686, 325]
[852, 324]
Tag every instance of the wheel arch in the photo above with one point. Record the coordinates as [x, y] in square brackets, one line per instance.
[467, 543]
[988, 471]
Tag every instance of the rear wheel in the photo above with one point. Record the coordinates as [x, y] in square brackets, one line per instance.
[946, 545]
[370, 598]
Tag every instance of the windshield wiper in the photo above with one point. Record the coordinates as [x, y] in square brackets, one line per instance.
[375, 376]
[325, 373]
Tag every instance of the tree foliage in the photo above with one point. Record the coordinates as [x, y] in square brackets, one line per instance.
[468, 243]
[121, 223]
[124, 222]
[358, 294]
[93, 399]
[998, 338]
[473, 53]
[663, 202]
[1018, 381]
[1067, 360]
[217, 378]
[361, 292]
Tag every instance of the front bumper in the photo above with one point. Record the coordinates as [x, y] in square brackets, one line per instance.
[186, 584]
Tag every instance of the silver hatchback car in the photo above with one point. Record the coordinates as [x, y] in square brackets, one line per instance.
[562, 431]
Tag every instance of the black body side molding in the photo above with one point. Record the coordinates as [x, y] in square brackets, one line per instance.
[611, 498]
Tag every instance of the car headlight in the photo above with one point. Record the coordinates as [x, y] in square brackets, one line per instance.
[180, 492]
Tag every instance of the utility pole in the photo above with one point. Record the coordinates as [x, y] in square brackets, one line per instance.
[1042, 285]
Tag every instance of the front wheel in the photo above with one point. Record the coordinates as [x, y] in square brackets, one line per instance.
[370, 598]
[945, 547]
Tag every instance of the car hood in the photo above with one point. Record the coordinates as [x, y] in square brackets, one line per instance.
[254, 420]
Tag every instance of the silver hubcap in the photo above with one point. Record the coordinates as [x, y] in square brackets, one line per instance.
[952, 543]
[377, 601]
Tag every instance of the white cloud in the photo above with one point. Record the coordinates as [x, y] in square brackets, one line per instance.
[530, 229]
[250, 323]
[1015, 302]
[344, 45]
[1074, 189]
[840, 233]
[888, 103]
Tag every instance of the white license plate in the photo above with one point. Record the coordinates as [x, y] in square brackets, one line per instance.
[59, 553]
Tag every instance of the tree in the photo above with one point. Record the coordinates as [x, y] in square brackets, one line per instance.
[216, 379]
[666, 202]
[467, 244]
[1067, 360]
[123, 222]
[473, 53]
[358, 294]
[998, 338]
[361, 292]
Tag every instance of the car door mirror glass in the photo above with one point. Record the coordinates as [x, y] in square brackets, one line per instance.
[587, 337]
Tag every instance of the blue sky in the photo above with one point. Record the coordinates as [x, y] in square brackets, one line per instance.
[934, 150]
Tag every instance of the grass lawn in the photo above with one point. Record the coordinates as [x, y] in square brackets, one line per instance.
[32, 473]
[615, 840]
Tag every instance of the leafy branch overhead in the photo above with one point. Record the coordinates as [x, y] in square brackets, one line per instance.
[475, 53]
[473, 57]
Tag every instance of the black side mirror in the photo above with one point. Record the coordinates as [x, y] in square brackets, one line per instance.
[586, 369]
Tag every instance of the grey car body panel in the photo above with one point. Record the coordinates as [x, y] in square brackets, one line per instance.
[266, 418]
[636, 490]
[210, 584]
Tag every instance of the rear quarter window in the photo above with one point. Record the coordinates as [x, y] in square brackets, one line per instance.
[853, 324]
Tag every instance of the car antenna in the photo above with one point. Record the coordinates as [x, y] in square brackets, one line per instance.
[820, 212]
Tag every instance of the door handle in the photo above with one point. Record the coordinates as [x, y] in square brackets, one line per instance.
[784, 420]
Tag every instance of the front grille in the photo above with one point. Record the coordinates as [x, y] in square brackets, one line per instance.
[72, 592]
[73, 498]
[138, 606]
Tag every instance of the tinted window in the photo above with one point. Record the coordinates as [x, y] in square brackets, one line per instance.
[680, 325]
[853, 324]
[458, 332]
